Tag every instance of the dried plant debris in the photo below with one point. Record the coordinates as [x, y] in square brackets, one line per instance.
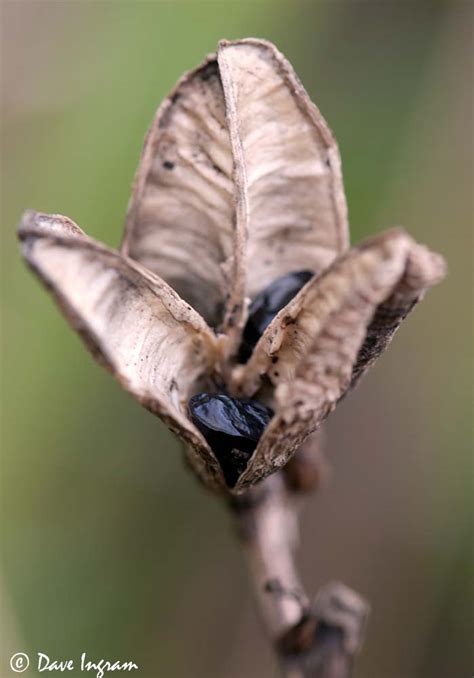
[237, 204]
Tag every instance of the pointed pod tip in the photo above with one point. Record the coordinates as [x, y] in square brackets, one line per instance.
[27, 223]
[35, 224]
[393, 244]
[425, 268]
[252, 42]
[439, 265]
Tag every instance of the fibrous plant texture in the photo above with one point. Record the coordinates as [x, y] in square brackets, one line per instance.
[235, 309]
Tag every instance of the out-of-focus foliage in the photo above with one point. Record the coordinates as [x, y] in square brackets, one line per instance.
[109, 545]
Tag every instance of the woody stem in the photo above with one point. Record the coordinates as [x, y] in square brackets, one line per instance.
[311, 640]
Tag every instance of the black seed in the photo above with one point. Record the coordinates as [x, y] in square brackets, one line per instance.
[267, 304]
[232, 428]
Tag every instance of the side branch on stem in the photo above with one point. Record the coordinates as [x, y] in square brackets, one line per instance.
[312, 639]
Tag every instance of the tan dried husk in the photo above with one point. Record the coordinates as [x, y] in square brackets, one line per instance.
[239, 183]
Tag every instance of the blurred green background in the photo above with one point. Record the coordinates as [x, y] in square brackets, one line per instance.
[109, 544]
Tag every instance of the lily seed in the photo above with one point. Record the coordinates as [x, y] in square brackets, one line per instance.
[232, 428]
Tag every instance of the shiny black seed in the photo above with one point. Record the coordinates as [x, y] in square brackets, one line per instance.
[231, 427]
[267, 304]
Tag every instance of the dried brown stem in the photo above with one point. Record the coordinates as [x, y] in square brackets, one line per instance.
[312, 640]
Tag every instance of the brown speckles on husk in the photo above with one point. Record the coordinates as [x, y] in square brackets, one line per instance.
[239, 185]
[220, 208]
[133, 323]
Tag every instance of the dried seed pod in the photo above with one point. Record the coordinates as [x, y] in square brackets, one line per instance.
[133, 323]
[317, 339]
[239, 185]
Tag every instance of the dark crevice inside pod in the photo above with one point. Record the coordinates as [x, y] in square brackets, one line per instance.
[265, 306]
